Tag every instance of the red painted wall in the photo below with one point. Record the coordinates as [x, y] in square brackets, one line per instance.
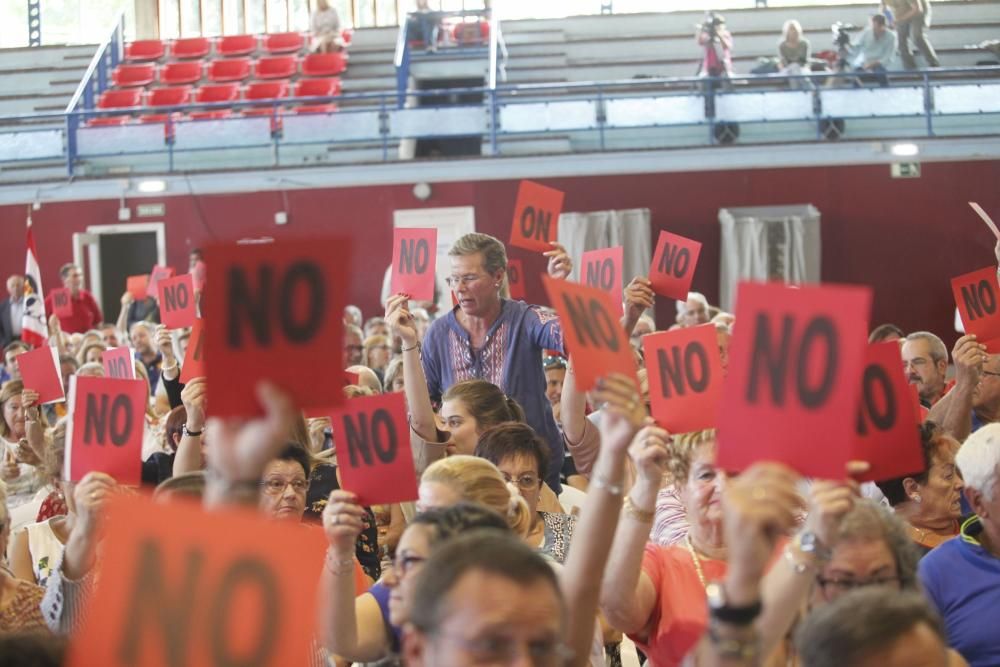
[906, 237]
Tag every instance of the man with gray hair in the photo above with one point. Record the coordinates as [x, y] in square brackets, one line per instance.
[490, 337]
[142, 335]
[962, 576]
[693, 311]
[925, 361]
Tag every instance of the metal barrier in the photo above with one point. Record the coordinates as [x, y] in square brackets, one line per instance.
[595, 115]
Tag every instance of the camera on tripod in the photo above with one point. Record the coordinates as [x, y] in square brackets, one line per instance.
[842, 34]
[712, 24]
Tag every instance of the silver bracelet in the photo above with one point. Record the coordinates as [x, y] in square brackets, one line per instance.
[602, 482]
[343, 566]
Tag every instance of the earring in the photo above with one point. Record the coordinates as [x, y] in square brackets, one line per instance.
[916, 498]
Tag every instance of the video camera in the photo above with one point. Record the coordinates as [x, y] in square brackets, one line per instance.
[712, 24]
[842, 34]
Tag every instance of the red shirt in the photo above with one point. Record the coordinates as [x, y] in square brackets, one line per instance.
[680, 616]
[86, 313]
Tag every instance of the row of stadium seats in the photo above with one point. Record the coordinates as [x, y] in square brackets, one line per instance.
[192, 48]
[229, 70]
[130, 98]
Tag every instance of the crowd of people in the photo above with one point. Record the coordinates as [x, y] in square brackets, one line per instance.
[885, 39]
[552, 525]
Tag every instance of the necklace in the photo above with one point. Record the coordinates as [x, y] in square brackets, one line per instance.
[927, 538]
[696, 559]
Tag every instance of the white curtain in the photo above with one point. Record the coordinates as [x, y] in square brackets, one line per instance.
[580, 232]
[751, 235]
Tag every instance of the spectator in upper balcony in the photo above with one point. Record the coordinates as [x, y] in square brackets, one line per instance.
[793, 52]
[875, 51]
[325, 28]
[425, 25]
[912, 16]
[717, 42]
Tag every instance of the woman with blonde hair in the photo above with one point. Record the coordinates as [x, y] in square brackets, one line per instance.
[325, 28]
[793, 52]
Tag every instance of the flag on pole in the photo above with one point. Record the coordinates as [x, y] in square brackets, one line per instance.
[34, 327]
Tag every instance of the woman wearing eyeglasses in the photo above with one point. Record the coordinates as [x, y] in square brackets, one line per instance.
[522, 458]
[929, 501]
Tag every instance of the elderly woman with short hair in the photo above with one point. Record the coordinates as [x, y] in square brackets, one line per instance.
[492, 338]
[929, 501]
[962, 576]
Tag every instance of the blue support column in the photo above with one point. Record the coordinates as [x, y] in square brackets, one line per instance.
[34, 23]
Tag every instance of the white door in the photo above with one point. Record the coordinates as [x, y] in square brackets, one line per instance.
[108, 254]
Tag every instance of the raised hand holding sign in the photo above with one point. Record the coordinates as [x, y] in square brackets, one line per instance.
[977, 296]
[118, 363]
[372, 436]
[40, 372]
[105, 429]
[536, 217]
[178, 307]
[887, 434]
[685, 377]
[177, 594]
[414, 253]
[674, 262]
[603, 269]
[279, 310]
[61, 305]
[594, 335]
[792, 391]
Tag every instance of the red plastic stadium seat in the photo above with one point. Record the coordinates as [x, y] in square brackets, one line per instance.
[236, 45]
[235, 69]
[223, 92]
[264, 90]
[190, 47]
[134, 75]
[165, 97]
[323, 64]
[174, 74]
[118, 99]
[284, 42]
[106, 121]
[472, 33]
[317, 87]
[276, 67]
[144, 49]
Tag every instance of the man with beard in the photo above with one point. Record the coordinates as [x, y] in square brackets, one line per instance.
[925, 361]
[142, 337]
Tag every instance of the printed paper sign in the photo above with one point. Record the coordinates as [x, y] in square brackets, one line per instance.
[791, 395]
[536, 217]
[40, 372]
[515, 279]
[593, 332]
[976, 298]
[887, 428]
[414, 253]
[155, 276]
[279, 308]
[603, 269]
[61, 305]
[182, 586]
[674, 261]
[685, 377]
[194, 357]
[372, 439]
[178, 308]
[137, 286]
[105, 429]
[119, 363]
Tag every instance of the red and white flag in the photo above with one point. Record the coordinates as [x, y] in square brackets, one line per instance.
[34, 327]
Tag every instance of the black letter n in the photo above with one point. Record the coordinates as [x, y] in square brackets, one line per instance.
[169, 617]
[766, 357]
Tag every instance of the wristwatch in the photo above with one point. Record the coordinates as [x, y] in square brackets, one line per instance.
[193, 434]
[720, 609]
[809, 543]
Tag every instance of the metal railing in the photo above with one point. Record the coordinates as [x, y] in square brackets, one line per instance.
[928, 100]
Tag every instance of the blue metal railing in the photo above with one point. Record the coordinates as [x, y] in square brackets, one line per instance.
[501, 100]
[95, 81]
